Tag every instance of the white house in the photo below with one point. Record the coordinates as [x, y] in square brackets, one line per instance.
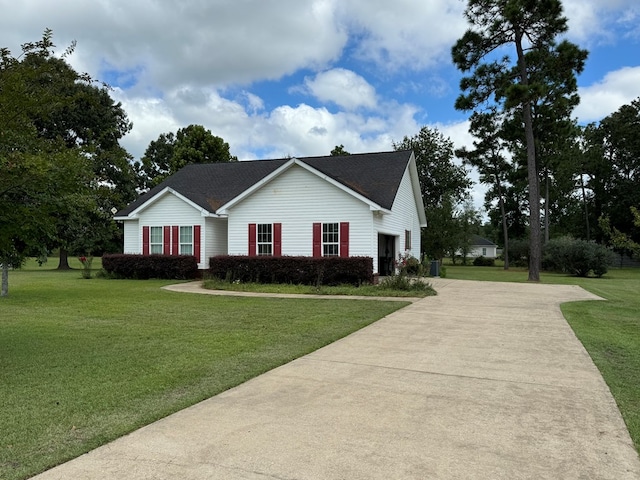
[482, 247]
[357, 205]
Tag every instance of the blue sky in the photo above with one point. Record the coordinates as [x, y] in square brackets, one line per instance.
[297, 77]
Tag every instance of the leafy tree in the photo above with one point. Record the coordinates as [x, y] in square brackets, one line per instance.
[517, 83]
[488, 156]
[619, 143]
[35, 171]
[169, 153]
[444, 185]
[90, 122]
[339, 151]
[622, 241]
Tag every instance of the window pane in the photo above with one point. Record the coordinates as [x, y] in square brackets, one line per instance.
[155, 235]
[265, 246]
[155, 240]
[186, 234]
[264, 232]
[330, 250]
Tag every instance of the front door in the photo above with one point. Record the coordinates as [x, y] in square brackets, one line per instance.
[386, 254]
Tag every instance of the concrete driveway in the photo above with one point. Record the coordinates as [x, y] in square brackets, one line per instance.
[484, 381]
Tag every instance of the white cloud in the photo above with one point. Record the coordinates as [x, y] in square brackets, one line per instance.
[404, 33]
[596, 21]
[605, 97]
[342, 87]
[215, 43]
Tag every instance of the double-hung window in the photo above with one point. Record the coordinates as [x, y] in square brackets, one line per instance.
[186, 240]
[330, 240]
[155, 240]
[407, 240]
[265, 239]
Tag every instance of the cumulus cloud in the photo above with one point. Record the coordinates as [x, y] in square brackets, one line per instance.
[597, 21]
[168, 42]
[617, 88]
[342, 87]
[404, 33]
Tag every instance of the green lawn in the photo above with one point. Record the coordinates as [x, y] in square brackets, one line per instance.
[610, 331]
[83, 362]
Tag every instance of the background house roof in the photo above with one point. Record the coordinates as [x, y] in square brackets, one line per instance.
[481, 241]
[375, 176]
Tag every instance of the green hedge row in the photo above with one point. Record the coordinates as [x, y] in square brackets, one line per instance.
[143, 267]
[294, 270]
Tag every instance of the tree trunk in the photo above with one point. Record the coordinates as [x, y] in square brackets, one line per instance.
[546, 209]
[63, 264]
[5, 280]
[503, 216]
[505, 232]
[535, 247]
[586, 208]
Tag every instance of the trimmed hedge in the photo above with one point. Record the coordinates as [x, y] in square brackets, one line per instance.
[484, 262]
[143, 267]
[294, 270]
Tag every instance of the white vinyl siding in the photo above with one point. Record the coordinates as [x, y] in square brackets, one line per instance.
[215, 233]
[132, 237]
[298, 199]
[170, 211]
[404, 217]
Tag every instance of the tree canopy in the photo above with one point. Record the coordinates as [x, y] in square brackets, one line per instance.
[170, 152]
[537, 80]
[445, 187]
[35, 170]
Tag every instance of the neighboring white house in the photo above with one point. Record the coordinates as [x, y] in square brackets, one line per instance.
[482, 247]
[357, 205]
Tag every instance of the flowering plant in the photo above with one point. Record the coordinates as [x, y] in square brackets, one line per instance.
[407, 264]
[86, 266]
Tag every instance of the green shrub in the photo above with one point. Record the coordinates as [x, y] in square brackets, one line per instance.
[484, 262]
[519, 252]
[577, 257]
[404, 283]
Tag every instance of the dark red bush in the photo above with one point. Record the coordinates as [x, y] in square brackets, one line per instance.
[143, 267]
[294, 270]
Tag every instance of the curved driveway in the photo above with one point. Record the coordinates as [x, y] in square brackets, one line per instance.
[485, 381]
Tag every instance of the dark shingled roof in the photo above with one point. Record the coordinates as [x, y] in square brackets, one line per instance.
[376, 176]
[478, 240]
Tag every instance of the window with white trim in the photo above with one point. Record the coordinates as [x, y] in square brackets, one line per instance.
[186, 240]
[407, 240]
[484, 252]
[330, 239]
[155, 240]
[265, 239]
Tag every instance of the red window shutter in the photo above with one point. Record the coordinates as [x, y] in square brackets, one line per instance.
[344, 239]
[277, 239]
[145, 240]
[252, 239]
[317, 239]
[196, 242]
[166, 241]
[175, 242]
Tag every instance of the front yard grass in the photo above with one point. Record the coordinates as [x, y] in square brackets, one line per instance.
[83, 362]
[610, 331]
